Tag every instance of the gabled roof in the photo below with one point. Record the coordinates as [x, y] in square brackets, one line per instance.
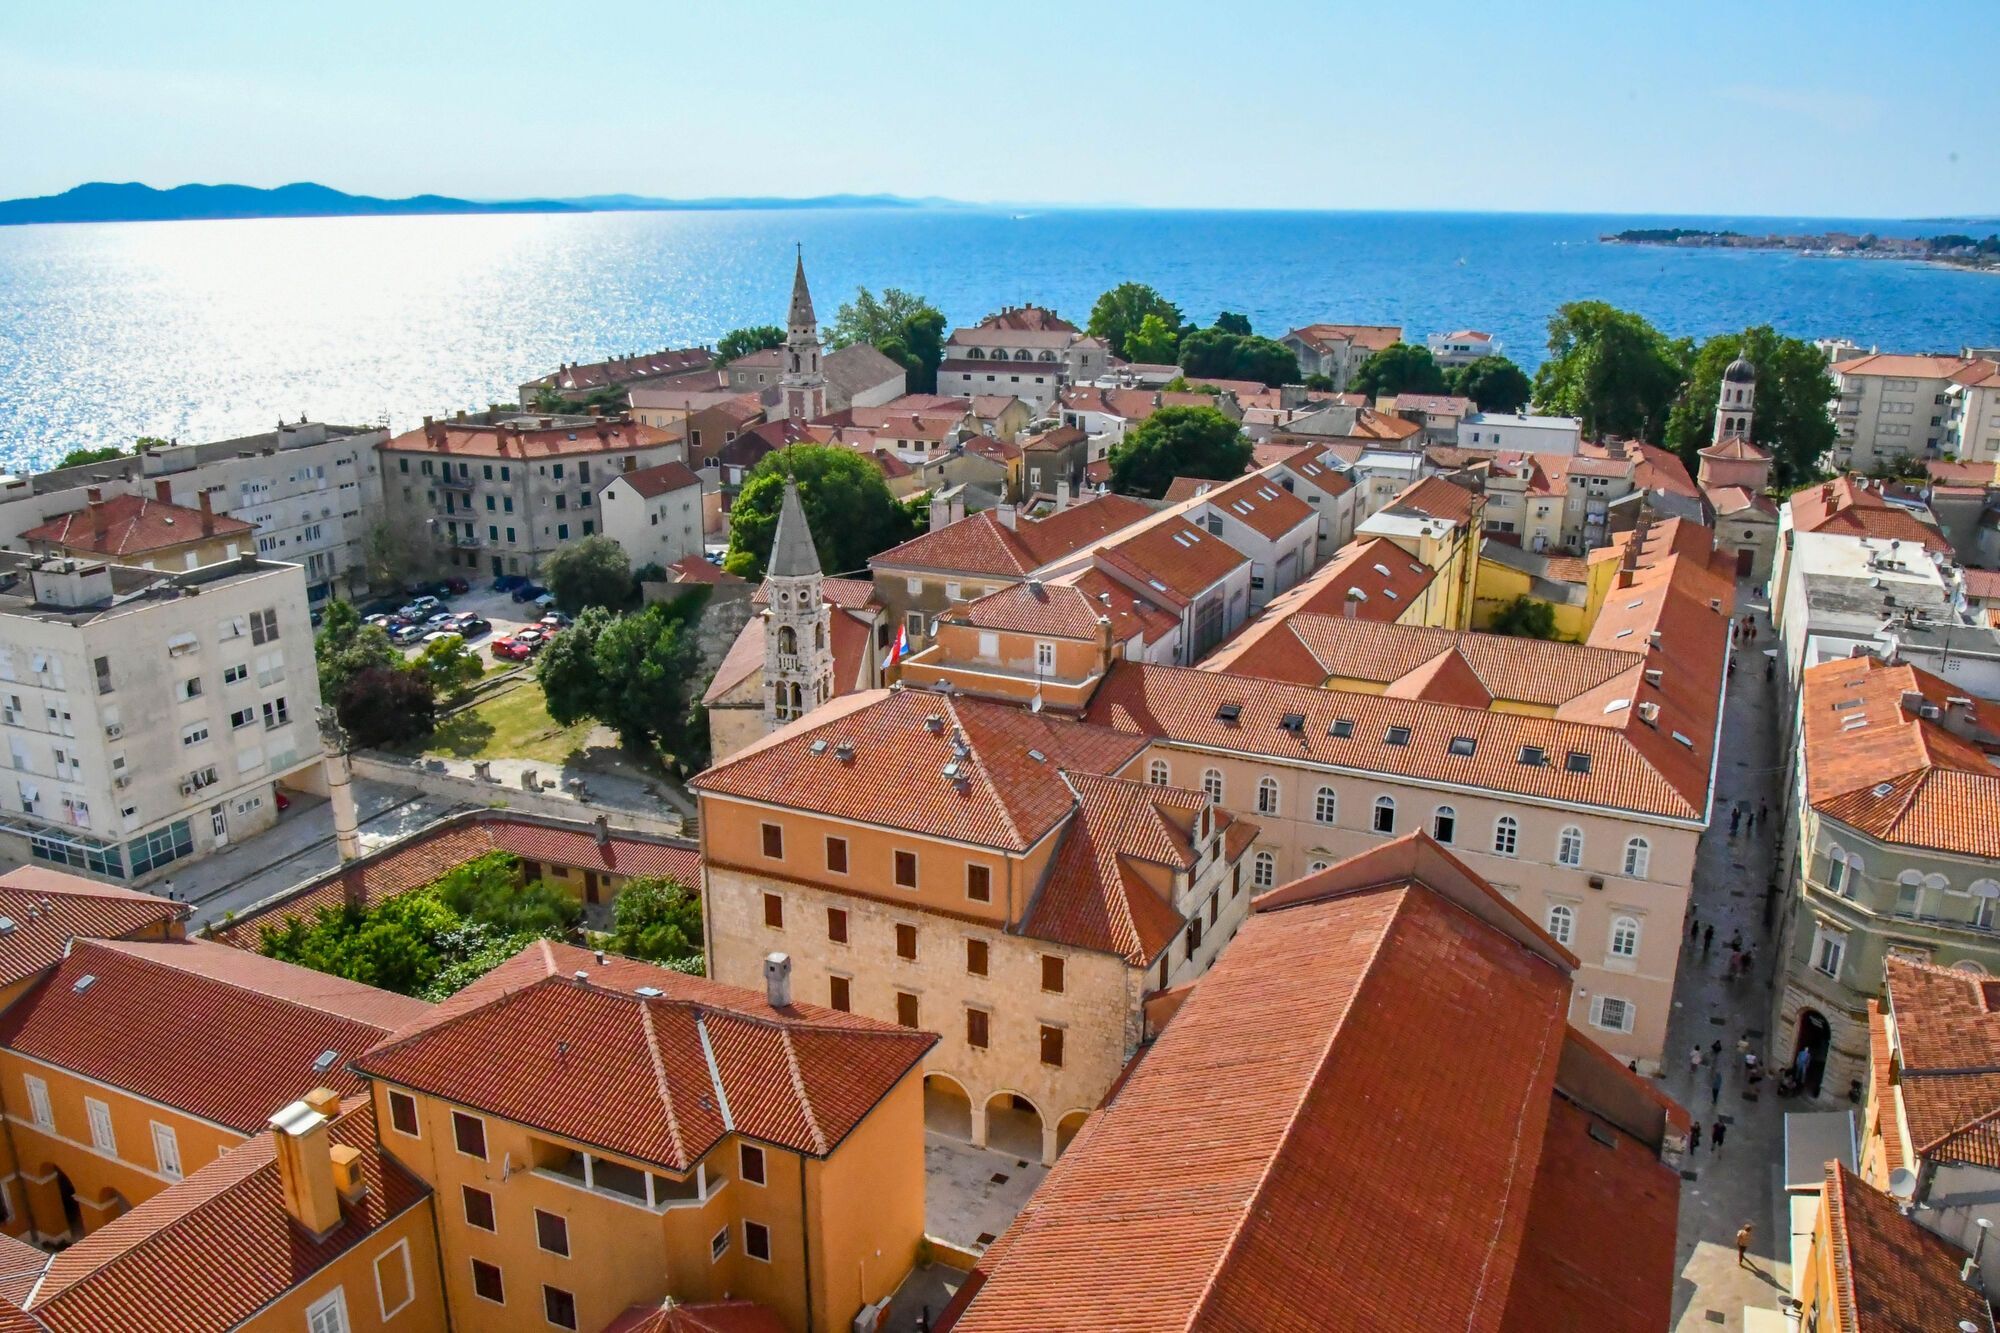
[1435, 497]
[1537, 672]
[1008, 791]
[628, 369]
[131, 525]
[982, 544]
[1850, 506]
[1129, 404]
[1736, 449]
[1266, 507]
[556, 1040]
[46, 909]
[1732, 500]
[659, 479]
[1173, 558]
[1028, 318]
[1368, 579]
[523, 438]
[1324, 337]
[1904, 366]
[859, 367]
[222, 1034]
[1947, 1026]
[700, 569]
[1890, 1273]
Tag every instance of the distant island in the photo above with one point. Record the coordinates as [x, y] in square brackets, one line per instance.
[101, 201]
[1957, 249]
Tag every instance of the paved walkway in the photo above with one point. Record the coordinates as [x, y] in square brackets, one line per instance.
[1741, 1182]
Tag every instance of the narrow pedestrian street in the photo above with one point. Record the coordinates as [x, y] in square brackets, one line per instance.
[1743, 1180]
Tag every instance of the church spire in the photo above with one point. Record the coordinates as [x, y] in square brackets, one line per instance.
[802, 383]
[802, 302]
[792, 552]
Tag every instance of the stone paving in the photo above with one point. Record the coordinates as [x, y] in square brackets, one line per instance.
[1743, 1181]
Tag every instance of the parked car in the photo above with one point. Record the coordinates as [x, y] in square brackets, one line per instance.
[528, 592]
[555, 620]
[546, 601]
[446, 633]
[456, 587]
[519, 646]
[472, 626]
[408, 634]
[508, 582]
[437, 588]
[441, 620]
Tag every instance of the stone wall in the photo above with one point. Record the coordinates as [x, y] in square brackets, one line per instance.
[436, 778]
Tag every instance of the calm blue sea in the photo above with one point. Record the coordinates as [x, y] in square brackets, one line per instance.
[200, 330]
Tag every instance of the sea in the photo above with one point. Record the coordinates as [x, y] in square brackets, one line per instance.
[205, 330]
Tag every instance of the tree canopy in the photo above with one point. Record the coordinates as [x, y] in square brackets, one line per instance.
[636, 674]
[1178, 442]
[1227, 355]
[347, 645]
[1493, 383]
[1611, 369]
[1152, 343]
[742, 342]
[1789, 416]
[1120, 312]
[846, 502]
[1231, 322]
[1526, 618]
[385, 706]
[80, 457]
[658, 918]
[450, 665]
[1398, 368]
[901, 325]
[591, 572]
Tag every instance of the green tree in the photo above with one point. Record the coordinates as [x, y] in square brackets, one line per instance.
[1120, 311]
[1152, 342]
[488, 890]
[901, 325]
[591, 572]
[1789, 418]
[846, 501]
[1235, 356]
[1318, 383]
[1611, 369]
[1230, 322]
[388, 555]
[1526, 618]
[742, 342]
[449, 665]
[1493, 383]
[646, 662]
[81, 457]
[383, 706]
[1398, 368]
[347, 645]
[658, 918]
[145, 444]
[567, 670]
[1178, 442]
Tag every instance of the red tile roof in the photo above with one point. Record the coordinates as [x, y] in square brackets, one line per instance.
[660, 479]
[1174, 559]
[1262, 503]
[894, 773]
[1374, 337]
[1436, 497]
[469, 439]
[1905, 366]
[1948, 1044]
[1539, 672]
[1435, 404]
[1982, 585]
[1129, 404]
[1369, 579]
[982, 544]
[1310, 1145]
[555, 1039]
[48, 908]
[129, 525]
[209, 1253]
[1028, 318]
[1056, 437]
[629, 369]
[699, 569]
[1891, 1274]
[222, 1034]
[1730, 500]
[1848, 505]
[1736, 449]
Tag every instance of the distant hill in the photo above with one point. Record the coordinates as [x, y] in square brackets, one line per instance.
[100, 201]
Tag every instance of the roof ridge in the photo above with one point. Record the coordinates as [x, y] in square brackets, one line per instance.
[986, 779]
[660, 1070]
[799, 1088]
[1836, 1203]
[112, 946]
[1979, 1121]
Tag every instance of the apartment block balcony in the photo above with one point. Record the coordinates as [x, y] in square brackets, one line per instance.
[455, 484]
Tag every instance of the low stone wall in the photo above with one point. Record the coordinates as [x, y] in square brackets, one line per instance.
[435, 778]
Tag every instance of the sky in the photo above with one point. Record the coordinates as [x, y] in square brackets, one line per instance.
[1753, 108]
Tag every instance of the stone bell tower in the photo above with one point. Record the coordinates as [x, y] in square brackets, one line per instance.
[798, 644]
[802, 382]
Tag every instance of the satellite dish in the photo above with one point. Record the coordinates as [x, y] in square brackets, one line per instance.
[1903, 1183]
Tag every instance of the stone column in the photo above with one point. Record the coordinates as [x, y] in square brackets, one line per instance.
[346, 815]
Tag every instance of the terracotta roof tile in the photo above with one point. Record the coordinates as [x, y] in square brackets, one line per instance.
[129, 525]
[660, 479]
[629, 369]
[1848, 506]
[1905, 366]
[1436, 497]
[1175, 559]
[48, 908]
[1266, 506]
[1891, 1274]
[1374, 337]
[1948, 1041]
[465, 439]
[699, 569]
[982, 544]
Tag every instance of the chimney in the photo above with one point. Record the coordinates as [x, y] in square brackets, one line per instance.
[94, 495]
[1006, 515]
[1105, 645]
[163, 491]
[603, 830]
[207, 513]
[428, 423]
[778, 980]
[348, 1181]
[305, 1162]
[97, 519]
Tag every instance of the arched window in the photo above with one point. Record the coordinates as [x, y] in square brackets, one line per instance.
[1968, 965]
[1267, 796]
[1211, 783]
[1156, 772]
[1638, 855]
[1264, 870]
[974, 354]
[1385, 814]
[1316, 867]
[1836, 871]
[1569, 846]
[1048, 355]
[1326, 805]
[788, 640]
[1562, 923]
[1937, 883]
[1024, 355]
[1444, 823]
[1624, 937]
[1506, 834]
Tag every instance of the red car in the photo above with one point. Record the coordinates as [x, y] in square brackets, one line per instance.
[521, 644]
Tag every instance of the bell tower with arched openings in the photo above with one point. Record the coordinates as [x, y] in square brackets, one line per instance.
[798, 644]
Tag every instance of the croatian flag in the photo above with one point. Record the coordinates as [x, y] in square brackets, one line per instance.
[899, 647]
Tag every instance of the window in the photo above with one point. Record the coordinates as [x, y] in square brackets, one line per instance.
[1326, 805]
[1396, 736]
[836, 924]
[1638, 855]
[906, 942]
[906, 1009]
[264, 625]
[558, 1307]
[975, 1029]
[190, 688]
[468, 1132]
[975, 958]
[102, 1136]
[979, 883]
[774, 911]
[774, 841]
[1156, 772]
[1385, 814]
[1052, 1046]
[757, 1241]
[1909, 896]
[1562, 923]
[1267, 796]
[403, 1113]
[1611, 1013]
[1569, 846]
[38, 1101]
[552, 1232]
[1052, 973]
[167, 1150]
[478, 1208]
[276, 714]
[839, 994]
[1624, 937]
[1836, 871]
[718, 1245]
[242, 717]
[906, 870]
[1211, 784]
[1829, 947]
[836, 855]
[1263, 870]
[486, 1283]
[1506, 834]
[233, 675]
[1045, 658]
[395, 1285]
[1444, 823]
[328, 1314]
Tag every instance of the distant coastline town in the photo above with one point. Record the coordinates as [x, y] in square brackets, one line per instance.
[1123, 821]
[1957, 249]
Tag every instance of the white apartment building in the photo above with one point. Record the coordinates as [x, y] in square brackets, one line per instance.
[1463, 347]
[1889, 406]
[312, 490]
[149, 716]
[1520, 432]
[1972, 413]
[654, 513]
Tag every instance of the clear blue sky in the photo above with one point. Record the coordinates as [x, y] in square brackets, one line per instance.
[1754, 107]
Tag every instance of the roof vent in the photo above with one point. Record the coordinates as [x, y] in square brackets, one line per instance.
[819, 747]
[952, 771]
[1649, 713]
[1684, 740]
[581, 975]
[1654, 676]
[1038, 756]
[1228, 712]
[934, 723]
[6, 925]
[85, 982]
[650, 992]
[844, 752]
[325, 1061]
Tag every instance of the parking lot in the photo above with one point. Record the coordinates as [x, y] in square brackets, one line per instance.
[506, 616]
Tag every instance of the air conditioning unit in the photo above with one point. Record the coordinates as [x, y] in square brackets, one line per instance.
[122, 781]
[187, 786]
[1597, 881]
[113, 730]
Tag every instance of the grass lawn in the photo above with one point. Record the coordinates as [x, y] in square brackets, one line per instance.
[513, 724]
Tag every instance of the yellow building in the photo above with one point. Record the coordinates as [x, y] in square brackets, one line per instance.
[1438, 523]
[1871, 1269]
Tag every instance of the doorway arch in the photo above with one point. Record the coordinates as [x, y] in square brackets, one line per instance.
[1809, 1049]
[72, 1209]
[947, 1108]
[1066, 1129]
[1014, 1125]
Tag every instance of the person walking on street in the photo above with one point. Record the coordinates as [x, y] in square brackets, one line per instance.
[1707, 938]
[1736, 939]
[1735, 819]
[1715, 1050]
[1763, 810]
[1694, 1139]
[1716, 1132]
[1743, 1244]
[1715, 1085]
[1694, 924]
[1694, 1061]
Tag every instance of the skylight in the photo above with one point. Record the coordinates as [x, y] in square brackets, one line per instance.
[1578, 762]
[1292, 722]
[1534, 756]
[1342, 728]
[1397, 736]
[1884, 788]
[1464, 745]
[1229, 712]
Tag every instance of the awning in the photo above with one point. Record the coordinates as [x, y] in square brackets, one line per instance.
[1814, 1138]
